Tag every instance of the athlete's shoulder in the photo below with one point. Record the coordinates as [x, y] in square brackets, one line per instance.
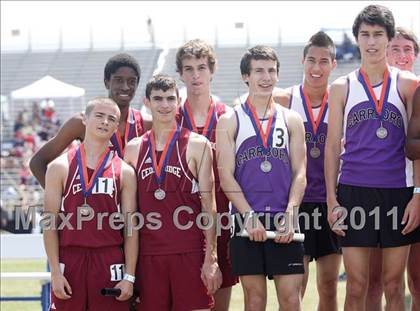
[291, 115]
[59, 165]
[283, 96]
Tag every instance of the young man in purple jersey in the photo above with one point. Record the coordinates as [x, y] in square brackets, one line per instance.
[261, 156]
[371, 207]
[310, 100]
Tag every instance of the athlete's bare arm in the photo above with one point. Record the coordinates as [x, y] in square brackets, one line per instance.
[413, 132]
[282, 96]
[55, 180]
[298, 165]
[72, 129]
[131, 241]
[200, 162]
[407, 87]
[131, 151]
[225, 154]
[337, 96]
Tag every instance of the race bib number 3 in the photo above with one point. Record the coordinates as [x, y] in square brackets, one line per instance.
[279, 138]
[117, 272]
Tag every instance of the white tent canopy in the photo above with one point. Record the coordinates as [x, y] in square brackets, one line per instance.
[48, 87]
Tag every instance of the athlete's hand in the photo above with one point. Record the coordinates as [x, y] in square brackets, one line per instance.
[61, 288]
[255, 228]
[411, 218]
[211, 276]
[284, 234]
[126, 288]
[335, 213]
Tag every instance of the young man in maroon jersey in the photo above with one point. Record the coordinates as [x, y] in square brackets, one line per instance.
[121, 78]
[177, 268]
[87, 250]
[196, 65]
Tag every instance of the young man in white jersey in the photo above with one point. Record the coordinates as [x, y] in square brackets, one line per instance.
[261, 156]
[310, 100]
[370, 208]
[401, 53]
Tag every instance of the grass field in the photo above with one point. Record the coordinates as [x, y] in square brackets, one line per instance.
[32, 288]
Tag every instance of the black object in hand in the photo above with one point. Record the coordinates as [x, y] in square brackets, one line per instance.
[115, 292]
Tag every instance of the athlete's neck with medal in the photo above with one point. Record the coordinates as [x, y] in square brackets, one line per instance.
[263, 104]
[374, 71]
[94, 148]
[161, 132]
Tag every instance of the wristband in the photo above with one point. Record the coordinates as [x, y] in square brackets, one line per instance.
[416, 190]
[130, 278]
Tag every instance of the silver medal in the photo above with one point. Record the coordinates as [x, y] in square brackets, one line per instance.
[315, 152]
[85, 209]
[381, 132]
[265, 166]
[160, 194]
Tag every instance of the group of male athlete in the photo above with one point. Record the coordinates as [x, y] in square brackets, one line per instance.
[326, 161]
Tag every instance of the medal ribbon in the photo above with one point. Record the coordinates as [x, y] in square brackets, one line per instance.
[116, 137]
[87, 185]
[159, 168]
[380, 104]
[264, 139]
[314, 124]
[211, 116]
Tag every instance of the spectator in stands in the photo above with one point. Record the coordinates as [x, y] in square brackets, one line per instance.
[121, 79]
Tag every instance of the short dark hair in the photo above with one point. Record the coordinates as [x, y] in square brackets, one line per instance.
[375, 15]
[99, 100]
[196, 48]
[320, 39]
[121, 60]
[161, 82]
[408, 35]
[259, 52]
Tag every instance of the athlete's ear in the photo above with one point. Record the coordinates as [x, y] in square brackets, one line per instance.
[245, 78]
[84, 118]
[106, 82]
[334, 64]
[146, 102]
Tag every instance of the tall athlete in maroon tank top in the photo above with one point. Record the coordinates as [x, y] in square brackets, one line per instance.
[121, 78]
[177, 267]
[199, 113]
[86, 246]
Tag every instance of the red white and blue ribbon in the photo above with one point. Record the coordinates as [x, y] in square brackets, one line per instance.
[88, 184]
[128, 134]
[263, 138]
[159, 167]
[314, 124]
[379, 105]
[210, 120]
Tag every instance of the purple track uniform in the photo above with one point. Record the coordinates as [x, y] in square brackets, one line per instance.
[375, 171]
[267, 191]
[319, 239]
